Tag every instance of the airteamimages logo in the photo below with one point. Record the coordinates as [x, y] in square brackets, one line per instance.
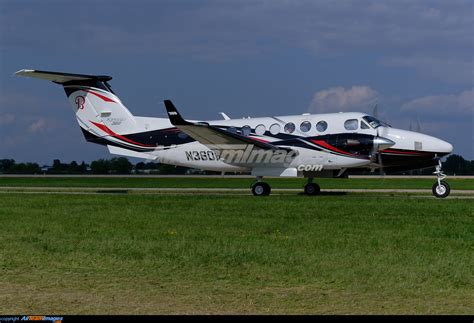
[249, 154]
[42, 318]
[244, 155]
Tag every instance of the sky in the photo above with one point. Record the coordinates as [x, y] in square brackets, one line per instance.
[246, 58]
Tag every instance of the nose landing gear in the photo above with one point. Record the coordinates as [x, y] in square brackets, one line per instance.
[441, 188]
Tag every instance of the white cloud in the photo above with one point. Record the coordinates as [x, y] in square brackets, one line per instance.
[39, 125]
[336, 99]
[449, 106]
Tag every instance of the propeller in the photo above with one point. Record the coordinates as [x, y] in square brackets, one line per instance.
[418, 125]
[375, 111]
[380, 143]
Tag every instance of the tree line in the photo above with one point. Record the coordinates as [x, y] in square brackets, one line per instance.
[119, 165]
[454, 165]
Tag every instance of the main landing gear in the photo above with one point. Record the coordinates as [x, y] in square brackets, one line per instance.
[441, 188]
[311, 188]
[260, 188]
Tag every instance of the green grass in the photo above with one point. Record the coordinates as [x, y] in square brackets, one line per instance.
[363, 183]
[152, 254]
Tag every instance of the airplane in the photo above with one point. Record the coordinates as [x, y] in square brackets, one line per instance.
[304, 145]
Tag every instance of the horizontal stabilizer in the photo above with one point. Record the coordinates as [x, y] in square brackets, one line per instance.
[129, 153]
[61, 78]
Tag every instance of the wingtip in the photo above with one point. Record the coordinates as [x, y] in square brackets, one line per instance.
[23, 72]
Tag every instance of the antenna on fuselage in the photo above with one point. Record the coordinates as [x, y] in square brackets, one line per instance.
[224, 116]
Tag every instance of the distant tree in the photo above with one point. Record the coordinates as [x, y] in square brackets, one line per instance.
[152, 165]
[120, 165]
[101, 166]
[25, 168]
[172, 169]
[6, 164]
[140, 166]
[73, 168]
[83, 167]
[57, 166]
[456, 164]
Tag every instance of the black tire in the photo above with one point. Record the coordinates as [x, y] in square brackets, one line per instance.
[312, 189]
[261, 189]
[442, 190]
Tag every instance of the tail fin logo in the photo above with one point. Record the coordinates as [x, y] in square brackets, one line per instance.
[80, 100]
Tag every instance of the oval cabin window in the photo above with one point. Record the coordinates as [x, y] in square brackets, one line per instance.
[260, 129]
[321, 126]
[305, 126]
[289, 127]
[275, 129]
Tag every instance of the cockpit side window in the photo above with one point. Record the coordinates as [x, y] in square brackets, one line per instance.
[375, 123]
[363, 125]
[351, 124]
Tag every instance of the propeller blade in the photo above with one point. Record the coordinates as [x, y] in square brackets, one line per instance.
[375, 111]
[418, 126]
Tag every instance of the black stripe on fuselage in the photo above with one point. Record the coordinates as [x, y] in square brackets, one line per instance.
[344, 141]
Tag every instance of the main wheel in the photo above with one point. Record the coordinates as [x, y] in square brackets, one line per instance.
[261, 189]
[441, 190]
[312, 189]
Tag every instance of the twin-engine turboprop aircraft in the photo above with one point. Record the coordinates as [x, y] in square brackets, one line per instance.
[306, 145]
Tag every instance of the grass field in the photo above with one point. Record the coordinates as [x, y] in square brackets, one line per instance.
[157, 254]
[213, 182]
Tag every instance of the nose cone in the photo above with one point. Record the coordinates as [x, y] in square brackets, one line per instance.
[409, 140]
[443, 146]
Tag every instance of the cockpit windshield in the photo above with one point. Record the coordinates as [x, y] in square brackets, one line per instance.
[374, 122]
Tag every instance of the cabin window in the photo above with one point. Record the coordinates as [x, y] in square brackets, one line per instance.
[289, 127]
[351, 124]
[305, 126]
[364, 125]
[260, 129]
[275, 129]
[321, 126]
[246, 130]
[232, 129]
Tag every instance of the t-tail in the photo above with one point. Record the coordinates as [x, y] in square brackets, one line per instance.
[101, 115]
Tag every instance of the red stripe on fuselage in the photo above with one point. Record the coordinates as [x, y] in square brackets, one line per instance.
[104, 128]
[330, 147]
[404, 152]
[258, 139]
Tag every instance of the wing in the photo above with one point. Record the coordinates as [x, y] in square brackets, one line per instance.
[212, 136]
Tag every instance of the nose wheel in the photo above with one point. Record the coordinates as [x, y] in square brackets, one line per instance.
[441, 188]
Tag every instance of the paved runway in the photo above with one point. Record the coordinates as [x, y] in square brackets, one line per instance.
[195, 190]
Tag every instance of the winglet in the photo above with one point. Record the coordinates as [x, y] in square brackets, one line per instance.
[175, 117]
